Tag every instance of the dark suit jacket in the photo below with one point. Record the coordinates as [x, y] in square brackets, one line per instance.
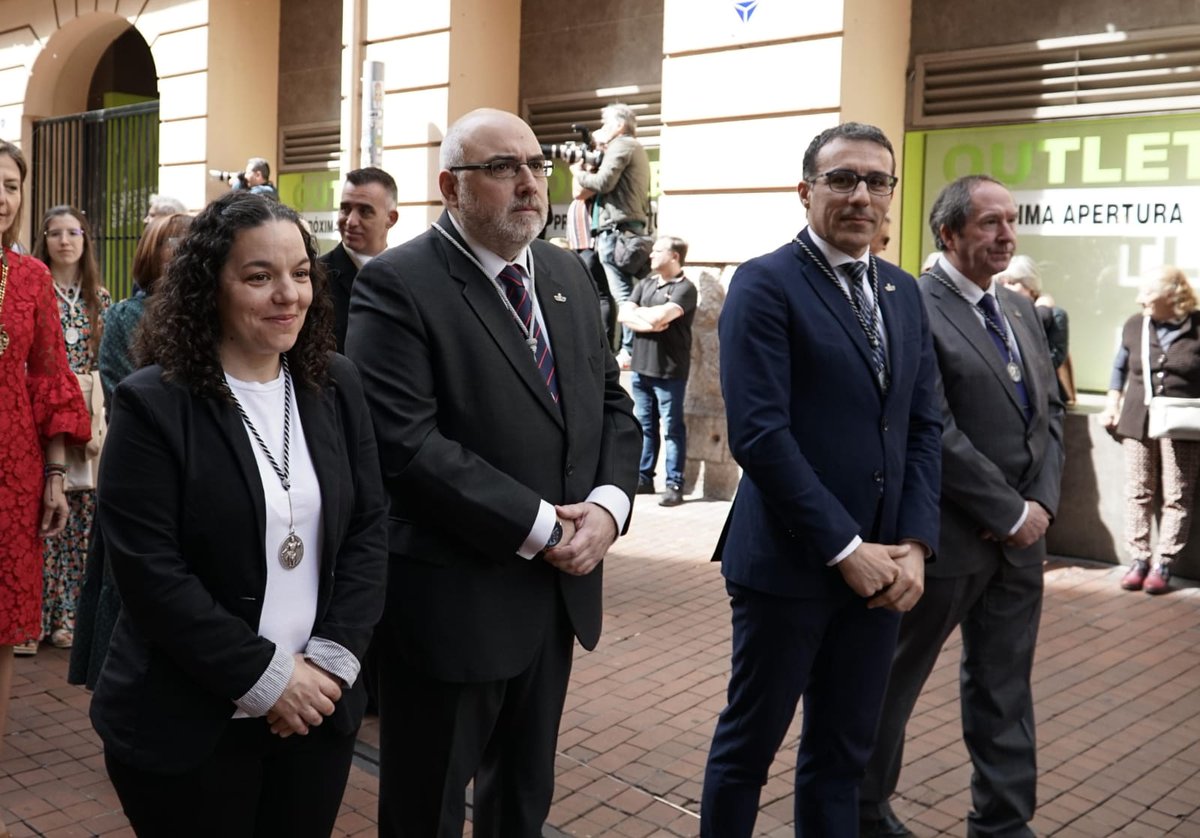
[471, 441]
[991, 460]
[183, 515]
[341, 271]
[826, 456]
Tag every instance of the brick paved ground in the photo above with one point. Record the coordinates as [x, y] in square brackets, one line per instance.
[1117, 682]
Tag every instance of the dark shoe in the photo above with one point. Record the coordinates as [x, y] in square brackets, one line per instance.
[645, 488]
[1134, 579]
[671, 496]
[886, 826]
[1159, 580]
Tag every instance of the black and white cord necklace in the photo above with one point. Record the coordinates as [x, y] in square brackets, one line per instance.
[291, 549]
[1012, 367]
[530, 337]
[872, 334]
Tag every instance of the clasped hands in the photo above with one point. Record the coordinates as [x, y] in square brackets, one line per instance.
[1037, 521]
[307, 699]
[588, 531]
[891, 575]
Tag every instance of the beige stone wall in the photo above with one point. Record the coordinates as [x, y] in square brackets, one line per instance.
[217, 63]
[742, 100]
[441, 59]
[241, 85]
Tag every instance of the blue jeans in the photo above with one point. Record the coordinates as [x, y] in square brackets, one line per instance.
[620, 284]
[654, 398]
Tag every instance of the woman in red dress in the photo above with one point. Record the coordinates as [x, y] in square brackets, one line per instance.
[41, 412]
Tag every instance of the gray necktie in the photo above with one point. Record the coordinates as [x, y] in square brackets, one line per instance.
[856, 273]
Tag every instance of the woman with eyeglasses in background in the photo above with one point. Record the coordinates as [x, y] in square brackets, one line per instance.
[65, 246]
[41, 411]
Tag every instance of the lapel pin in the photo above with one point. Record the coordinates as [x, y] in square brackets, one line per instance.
[559, 298]
[889, 287]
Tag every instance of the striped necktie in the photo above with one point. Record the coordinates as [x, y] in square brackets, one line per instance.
[856, 272]
[511, 280]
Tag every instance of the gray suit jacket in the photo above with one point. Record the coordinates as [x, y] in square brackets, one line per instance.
[992, 461]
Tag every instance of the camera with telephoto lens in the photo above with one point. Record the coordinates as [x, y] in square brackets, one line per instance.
[571, 152]
[223, 176]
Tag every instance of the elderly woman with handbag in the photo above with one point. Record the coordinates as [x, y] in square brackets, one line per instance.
[1154, 409]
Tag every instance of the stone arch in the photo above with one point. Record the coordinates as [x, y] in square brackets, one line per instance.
[60, 77]
[62, 72]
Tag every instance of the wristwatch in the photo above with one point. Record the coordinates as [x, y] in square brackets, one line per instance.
[555, 536]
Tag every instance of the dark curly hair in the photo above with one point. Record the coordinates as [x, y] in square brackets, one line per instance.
[181, 331]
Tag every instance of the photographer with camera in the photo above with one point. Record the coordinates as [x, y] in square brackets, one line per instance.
[621, 186]
[256, 178]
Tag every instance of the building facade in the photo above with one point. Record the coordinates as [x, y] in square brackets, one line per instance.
[1085, 103]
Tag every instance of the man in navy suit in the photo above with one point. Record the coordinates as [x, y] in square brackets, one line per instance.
[829, 378]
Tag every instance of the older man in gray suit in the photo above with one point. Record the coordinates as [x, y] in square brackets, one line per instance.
[1002, 458]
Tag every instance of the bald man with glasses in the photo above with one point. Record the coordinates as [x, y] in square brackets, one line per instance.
[510, 453]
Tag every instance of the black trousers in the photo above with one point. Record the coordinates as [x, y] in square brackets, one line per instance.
[254, 784]
[834, 653]
[436, 736]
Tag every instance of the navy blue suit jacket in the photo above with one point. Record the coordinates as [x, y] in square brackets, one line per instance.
[825, 454]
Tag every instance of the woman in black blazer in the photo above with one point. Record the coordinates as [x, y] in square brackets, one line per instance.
[244, 519]
[1169, 326]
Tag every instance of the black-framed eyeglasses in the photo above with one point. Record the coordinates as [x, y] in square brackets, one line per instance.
[844, 180]
[504, 168]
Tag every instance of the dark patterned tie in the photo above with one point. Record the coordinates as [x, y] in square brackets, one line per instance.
[511, 280]
[856, 272]
[995, 328]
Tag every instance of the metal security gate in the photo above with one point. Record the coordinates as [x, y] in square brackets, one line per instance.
[105, 163]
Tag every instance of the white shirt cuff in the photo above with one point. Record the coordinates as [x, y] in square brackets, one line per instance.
[270, 686]
[334, 658]
[846, 551]
[609, 497]
[543, 525]
[613, 500]
[1021, 520]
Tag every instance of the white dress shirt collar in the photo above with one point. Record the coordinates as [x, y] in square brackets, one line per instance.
[969, 289]
[837, 257]
[357, 258]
